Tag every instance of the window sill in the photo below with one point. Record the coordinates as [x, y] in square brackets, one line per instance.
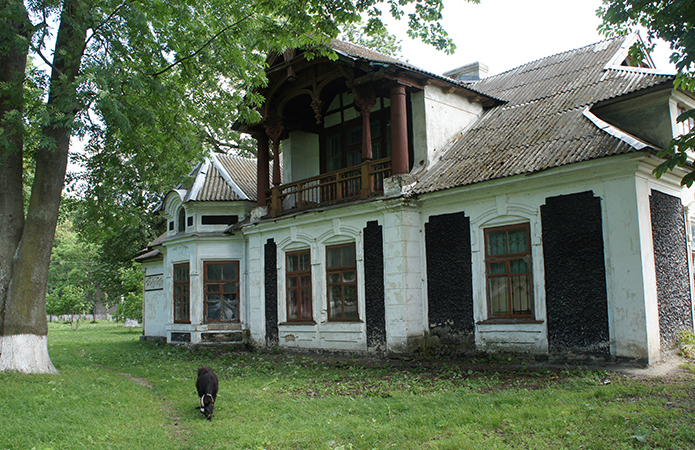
[509, 321]
[297, 322]
[344, 321]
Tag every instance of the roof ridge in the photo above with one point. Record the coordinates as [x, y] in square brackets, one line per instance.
[550, 56]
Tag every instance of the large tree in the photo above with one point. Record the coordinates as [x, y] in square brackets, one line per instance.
[148, 83]
[674, 22]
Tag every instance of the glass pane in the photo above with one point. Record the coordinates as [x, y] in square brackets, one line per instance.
[349, 114]
[229, 307]
[229, 288]
[229, 272]
[334, 278]
[499, 300]
[335, 104]
[333, 257]
[214, 271]
[375, 129]
[292, 263]
[335, 300]
[213, 302]
[497, 243]
[348, 98]
[349, 276]
[518, 241]
[348, 256]
[185, 290]
[333, 153]
[186, 311]
[213, 287]
[292, 282]
[305, 281]
[354, 157]
[497, 268]
[177, 290]
[353, 136]
[376, 150]
[293, 305]
[332, 119]
[518, 266]
[305, 261]
[350, 302]
[521, 298]
[305, 295]
[177, 309]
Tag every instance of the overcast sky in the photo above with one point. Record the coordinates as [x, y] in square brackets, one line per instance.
[507, 33]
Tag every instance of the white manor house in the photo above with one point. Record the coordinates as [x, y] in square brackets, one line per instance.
[516, 212]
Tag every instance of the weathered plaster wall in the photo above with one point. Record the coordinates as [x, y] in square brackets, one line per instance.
[439, 118]
[575, 274]
[195, 250]
[403, 274]
[300, 156]
[631, 282]
[155, 304]
[671, 262]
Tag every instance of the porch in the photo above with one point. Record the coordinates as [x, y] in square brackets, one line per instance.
[362, 181]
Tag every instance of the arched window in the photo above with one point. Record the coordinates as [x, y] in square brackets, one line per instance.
[182, 220]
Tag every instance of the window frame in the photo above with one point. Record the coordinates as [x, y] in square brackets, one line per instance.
[297, 289]
[181, 220]
[355, 284]
[506, 258]
[207, 283]
[381, 119]
[183, 284]
[686, 126]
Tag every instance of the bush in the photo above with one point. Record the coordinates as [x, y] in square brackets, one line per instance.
[686, 344]
[131, 307]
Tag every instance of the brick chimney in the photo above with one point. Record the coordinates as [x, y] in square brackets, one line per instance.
[469, 73]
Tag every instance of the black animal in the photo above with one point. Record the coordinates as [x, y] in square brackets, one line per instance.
[207, 386]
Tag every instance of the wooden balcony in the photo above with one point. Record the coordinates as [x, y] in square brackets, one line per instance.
[352, 183]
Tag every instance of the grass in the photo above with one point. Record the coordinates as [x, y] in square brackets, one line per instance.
[116, 392]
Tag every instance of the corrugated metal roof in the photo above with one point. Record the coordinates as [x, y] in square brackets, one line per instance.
[542, 125]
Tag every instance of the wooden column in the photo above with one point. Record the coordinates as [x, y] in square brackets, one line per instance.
[399, 131]
[365, 101]
[262, 169]
[274, 129]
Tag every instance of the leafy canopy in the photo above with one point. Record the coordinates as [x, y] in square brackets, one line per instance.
[161, 82]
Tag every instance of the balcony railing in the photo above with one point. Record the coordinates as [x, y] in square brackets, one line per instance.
[351, 183]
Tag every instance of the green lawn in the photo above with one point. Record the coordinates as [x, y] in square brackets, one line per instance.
[116, 392]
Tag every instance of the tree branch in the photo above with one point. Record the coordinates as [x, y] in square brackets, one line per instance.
[96, 29]
[208, 42]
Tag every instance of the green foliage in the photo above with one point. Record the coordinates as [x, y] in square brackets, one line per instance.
[674, 22]
[73, 261]
[143, 394]
[131, 305]
[374, 36]
[70, 300]
[686, 344]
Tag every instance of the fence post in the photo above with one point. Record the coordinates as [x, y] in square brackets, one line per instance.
[276, 205]
[364, 180]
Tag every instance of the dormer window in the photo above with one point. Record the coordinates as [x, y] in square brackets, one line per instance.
[182, 220]
[687, 125]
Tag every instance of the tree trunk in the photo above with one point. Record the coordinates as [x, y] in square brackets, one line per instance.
[25, 327]
[13, 55]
